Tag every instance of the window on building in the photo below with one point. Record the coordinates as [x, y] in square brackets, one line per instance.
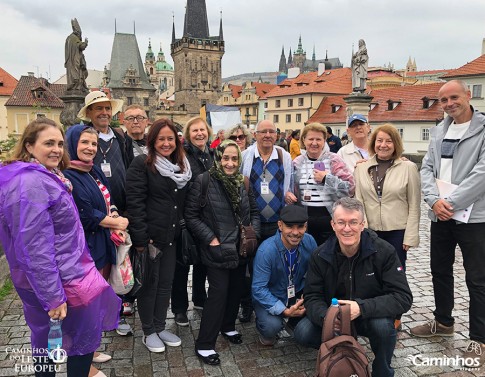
[266, 105]
[129, 100]
[290, 102]
[254, 111]
[40, 115]
[277, 103]
[401, 132]
[288, 118]
[336, 108]
[145, 102]
[298, 118]
[300, 101]
[425, 134]
[476, 91]
[276, 118]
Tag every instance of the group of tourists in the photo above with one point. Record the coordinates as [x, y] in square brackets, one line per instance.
[329, 225]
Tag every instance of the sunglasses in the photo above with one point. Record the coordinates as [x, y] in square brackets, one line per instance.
[239, 137]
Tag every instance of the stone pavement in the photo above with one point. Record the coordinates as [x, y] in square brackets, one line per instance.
[131, 358]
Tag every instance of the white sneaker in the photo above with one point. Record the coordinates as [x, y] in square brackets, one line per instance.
[153, 343]
[169, 339]
[124, 328]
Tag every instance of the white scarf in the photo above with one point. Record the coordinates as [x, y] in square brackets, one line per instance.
[167, 169]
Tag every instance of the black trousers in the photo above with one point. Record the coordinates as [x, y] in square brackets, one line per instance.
[445, 235]
[180, 297]
[222, 305]
[319, 224]
[77, 366]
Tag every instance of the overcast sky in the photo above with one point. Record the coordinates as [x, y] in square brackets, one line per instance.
[437, 33]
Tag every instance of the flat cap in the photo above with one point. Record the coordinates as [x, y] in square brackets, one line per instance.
[293, 214]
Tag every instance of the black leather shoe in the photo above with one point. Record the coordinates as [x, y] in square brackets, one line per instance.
[234, 339]
[209, 360]
[246, 314]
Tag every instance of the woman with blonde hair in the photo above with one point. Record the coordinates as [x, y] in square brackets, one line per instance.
[241, 135]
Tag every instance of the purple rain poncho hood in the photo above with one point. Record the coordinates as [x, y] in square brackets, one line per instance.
[49, 261]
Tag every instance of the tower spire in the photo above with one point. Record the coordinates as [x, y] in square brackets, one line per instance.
[173, 27]
[221, 36]
[196, 25]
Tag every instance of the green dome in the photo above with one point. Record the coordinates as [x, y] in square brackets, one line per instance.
[163, 66]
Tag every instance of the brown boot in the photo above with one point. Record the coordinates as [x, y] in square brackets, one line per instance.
[475, 350]
[432, 328]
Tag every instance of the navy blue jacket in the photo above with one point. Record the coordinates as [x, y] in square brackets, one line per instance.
[92, 210]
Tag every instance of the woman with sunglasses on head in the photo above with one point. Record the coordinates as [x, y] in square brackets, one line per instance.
[50, 264]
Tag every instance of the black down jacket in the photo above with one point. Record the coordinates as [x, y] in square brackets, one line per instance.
[217, 219]
[377, 280]
[154, 205]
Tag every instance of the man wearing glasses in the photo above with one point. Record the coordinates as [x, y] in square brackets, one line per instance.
[269, 170]
[361, 270]
[135, 120]
[358, 130]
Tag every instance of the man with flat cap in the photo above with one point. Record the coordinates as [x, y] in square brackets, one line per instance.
[279, 273]
[358, 130]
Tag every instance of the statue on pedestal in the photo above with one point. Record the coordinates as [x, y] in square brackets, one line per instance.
[360, 61]
[76, 70]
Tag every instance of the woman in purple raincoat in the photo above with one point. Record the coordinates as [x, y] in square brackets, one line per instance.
[50, 264]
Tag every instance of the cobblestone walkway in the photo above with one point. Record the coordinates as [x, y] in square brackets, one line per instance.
[131, 358]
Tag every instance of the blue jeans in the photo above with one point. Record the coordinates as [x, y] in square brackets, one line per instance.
[381, 334]
[268, 325]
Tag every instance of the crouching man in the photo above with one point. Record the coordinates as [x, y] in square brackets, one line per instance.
[279, 273]
[363, 271]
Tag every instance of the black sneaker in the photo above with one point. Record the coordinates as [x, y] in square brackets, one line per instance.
[181, 319]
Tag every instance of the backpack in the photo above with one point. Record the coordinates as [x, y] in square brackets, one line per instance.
[340, 355]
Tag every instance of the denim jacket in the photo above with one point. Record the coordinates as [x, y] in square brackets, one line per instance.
[270, 277]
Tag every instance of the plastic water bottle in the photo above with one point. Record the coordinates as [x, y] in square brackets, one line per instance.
[336, 327]
[54, 339]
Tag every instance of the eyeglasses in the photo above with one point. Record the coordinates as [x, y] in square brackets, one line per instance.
[354, 224]
[238, 137]
[139, 118]
[271, 132]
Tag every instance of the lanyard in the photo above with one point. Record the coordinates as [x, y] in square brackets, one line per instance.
[104, 153]
[292, 267]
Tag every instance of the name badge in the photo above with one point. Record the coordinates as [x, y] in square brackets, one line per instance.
[291, 291]
[264, 188]
[307, 195]
[106, 169]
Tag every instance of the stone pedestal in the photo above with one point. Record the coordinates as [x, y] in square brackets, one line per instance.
[358, 103]
[72, 104]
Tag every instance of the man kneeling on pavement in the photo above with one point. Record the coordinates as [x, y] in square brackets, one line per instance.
[363, 271]
[279, 273]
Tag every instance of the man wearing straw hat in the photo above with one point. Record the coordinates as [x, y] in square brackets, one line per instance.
[115, 151]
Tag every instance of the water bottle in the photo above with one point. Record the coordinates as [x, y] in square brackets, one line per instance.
[54, 339]
[336, 326]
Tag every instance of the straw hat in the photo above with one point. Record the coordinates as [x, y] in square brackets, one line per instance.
[96, 97]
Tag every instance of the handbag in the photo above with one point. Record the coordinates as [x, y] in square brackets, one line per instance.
[138, 262]
[248, 242]
[187, 250]
[121, 276]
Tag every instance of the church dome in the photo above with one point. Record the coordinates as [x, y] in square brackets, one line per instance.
[163, 66]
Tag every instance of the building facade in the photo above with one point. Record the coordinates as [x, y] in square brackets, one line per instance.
[7, 87]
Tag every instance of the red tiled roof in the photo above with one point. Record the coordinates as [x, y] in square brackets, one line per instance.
[432, 72]
[473, 68]
[410, 107]
[324, 112]
[262, 89]
[7, 83]
[335, 81]
[23, 94]
[235, 90]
